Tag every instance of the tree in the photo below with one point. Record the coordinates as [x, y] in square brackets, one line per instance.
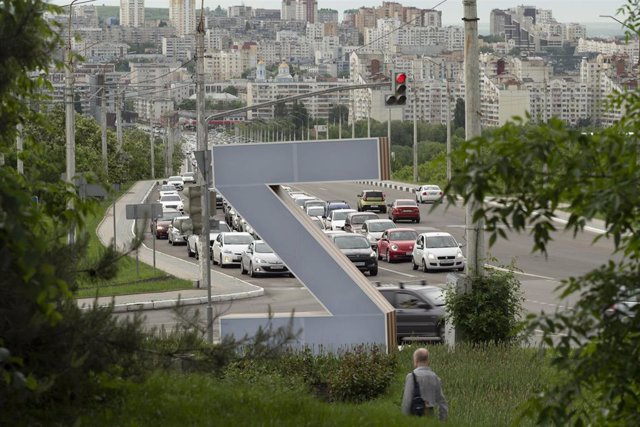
[529, 170]
[337, 111]
[458, 114]
[231, 90]
[280, 111]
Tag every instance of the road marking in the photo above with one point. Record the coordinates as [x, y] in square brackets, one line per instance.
[397, 272]
[521, 273]
[550, 304]
[322, 188]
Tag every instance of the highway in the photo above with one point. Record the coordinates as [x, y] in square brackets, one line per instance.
[567, 257]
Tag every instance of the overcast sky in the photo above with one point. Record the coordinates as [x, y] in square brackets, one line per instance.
[563, 10]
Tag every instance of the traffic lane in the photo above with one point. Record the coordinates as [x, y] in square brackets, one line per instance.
[568, 256]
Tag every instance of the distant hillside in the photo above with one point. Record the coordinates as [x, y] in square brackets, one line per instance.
[149, 12]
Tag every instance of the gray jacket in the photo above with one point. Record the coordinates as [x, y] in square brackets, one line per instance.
[430, 390]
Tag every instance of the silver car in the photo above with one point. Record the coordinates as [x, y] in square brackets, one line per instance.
[259, 259]
[228, 248]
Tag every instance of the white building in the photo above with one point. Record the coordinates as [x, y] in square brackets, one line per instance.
[182, 14]
[179, 48]
[132, 13]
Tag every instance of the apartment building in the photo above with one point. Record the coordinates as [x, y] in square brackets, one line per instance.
[132, 13]
[182, 15]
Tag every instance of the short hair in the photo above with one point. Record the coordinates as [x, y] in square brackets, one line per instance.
[421, 356]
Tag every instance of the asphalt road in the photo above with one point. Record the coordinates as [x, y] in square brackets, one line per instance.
[539, 275]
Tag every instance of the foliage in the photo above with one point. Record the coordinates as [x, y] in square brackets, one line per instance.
[231, 89]
[491, 311]
[339, 112]
[459, 118]
[530, 170]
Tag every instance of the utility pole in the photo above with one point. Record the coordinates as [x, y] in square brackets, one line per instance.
[19, 147]
[353, 116]
[201, 135]
[119, 119]
[153, 154]
[415, 135]
[369, 115]
[70, 126]
[474, 230]
[448, 132]
[170, 140]
[103, 125]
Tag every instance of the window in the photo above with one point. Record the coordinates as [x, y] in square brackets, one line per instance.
[405, 300]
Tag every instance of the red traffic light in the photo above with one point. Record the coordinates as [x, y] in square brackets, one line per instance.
[401, 78]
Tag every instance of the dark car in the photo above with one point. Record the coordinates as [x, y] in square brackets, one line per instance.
[404, 209]
[356, 247]
[419, 311]
[160, 226]
[333, 205]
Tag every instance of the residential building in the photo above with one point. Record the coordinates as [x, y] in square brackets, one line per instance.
[182, 14]
[132, 13]
[327, 15]
[179, 48]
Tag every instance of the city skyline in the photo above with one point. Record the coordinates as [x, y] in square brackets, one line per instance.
[581, 11]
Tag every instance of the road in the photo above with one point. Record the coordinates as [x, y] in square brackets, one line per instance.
[539, 275]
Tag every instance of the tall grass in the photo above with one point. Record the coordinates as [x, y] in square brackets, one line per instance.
[484, 387]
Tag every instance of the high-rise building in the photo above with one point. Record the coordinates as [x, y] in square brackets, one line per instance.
[182, 14]
[300, 10]
[132, 13]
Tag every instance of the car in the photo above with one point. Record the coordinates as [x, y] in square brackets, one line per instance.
[372, 229]
[357, 248]
[171, 201]
[259, 259]
[300, 201]
[315, 202]
[228, 247]
[396, 244]
[372, 200]
[160, 226]
[333, 205]
[315, 211]
[625, 306]
[318, 222]
[354, 220]
[179, 230]
[437, 251]
[188, 178]
[167, 189]
[335, 220]
[229, 216]
[420, 311]
[404, 209]
[193, 241]
[429, 194]
[176, 181]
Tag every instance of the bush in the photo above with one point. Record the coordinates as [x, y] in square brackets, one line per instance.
[491, 311]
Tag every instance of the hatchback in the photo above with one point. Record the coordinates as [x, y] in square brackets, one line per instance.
[357, 249]
[397, 244]
[228, 248]
[354, 221]
[437, 251]
[260, 259]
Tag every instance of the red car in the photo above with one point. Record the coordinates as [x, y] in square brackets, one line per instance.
[397, 244]
[404, 209]
[160, 226]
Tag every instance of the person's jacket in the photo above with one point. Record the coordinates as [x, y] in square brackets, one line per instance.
[430, 390]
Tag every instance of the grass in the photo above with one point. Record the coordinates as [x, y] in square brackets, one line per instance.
[483, 386]
[127, 281]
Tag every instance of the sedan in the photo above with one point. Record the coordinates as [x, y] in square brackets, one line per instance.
[372, 229]
[228, 248]
[259, 259]
[397, 244]
[171, 201]
[429, 194]
[160, 226]
[437, 251]
[176, 181]
[166, 189]
[193, 241]
[358, 250]
[405, 209]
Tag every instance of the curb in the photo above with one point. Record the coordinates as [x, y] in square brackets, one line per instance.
[389, 185]
[169, 303]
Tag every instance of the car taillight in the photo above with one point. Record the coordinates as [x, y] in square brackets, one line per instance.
[424, 193]
[441, 193]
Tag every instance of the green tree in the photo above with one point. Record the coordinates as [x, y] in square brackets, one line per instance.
[280, 111]
[232, 90]
[458, 114]
[338, 111]
[530, 170]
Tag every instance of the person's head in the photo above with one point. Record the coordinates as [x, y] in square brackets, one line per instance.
[421, 357]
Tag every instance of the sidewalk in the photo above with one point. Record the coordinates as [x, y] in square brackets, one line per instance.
[223, 287]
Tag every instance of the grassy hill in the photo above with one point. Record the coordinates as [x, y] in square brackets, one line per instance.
[149, 12]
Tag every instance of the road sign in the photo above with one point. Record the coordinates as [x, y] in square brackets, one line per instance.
[144, 211]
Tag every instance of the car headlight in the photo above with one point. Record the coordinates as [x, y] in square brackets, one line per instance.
[431, 256]
[259, 260]
[459, 255]
[394, 247]
[373, 254]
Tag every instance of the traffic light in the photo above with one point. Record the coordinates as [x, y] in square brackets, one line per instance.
[399, 96]
[193, 206]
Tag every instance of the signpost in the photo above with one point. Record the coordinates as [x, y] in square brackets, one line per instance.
[144, 211]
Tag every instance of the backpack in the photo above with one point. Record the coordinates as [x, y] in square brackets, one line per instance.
[417, 402]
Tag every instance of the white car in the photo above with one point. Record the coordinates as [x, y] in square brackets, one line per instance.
[176, 181]
[315, 211]
[171, 201]
[372, 229]
[189, 178]
[336, 220]
[437, 251]
[228, 248]
[429, 194]
[193, 241]
[167, 189]
[259, 259]
[318, 222]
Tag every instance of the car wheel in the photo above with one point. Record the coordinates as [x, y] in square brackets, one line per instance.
[242, 270]
[461, 269]
[424, 267]
[413, 264]
[212, 258]
[220, 261]
[379, 256]
[359, 209]
[373, 271]
[441, 333]
[169, 240]
[190, 253]
[394, 219]
[384, 210]
[251, 273]
[387, 257]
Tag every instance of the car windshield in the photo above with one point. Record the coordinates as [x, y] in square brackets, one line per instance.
[435, 295]
[238, 240]
[167, 216]
[170, 198]
[315, 203]
[373, 195]
[167, 188]
[315, 210]
[441, 242]
[360, 219]
[380, 226]
[175, 178]
[340, 216]
[403, 235]
[406, 203]
[188, 175]
[263, 248]
[318, 223]
[220, 226]
[431, 188]
[351, 242]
